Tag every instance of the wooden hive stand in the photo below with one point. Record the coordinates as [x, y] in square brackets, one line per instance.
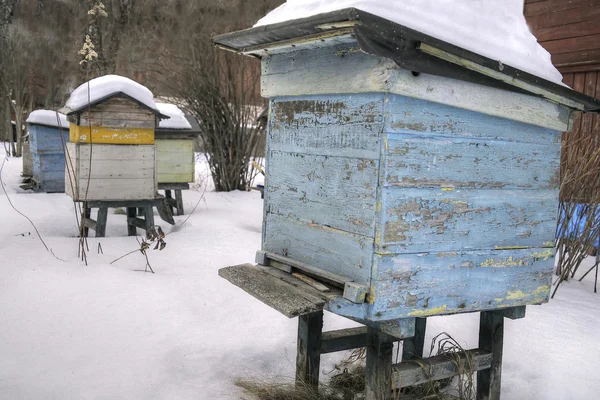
[146, 208]
[174, 204]
[295, 294]
[382, 376]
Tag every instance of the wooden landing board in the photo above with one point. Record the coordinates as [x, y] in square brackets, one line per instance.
[277, 289]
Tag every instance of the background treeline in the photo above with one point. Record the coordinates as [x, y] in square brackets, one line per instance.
[163, 44]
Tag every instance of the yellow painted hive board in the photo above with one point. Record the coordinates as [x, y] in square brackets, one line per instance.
[110, 135]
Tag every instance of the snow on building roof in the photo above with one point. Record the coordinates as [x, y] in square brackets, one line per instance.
[177, 119]
[49, 118]
[106, 86]
[494, 29]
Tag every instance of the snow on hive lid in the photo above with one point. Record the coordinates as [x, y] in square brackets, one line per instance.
[108, 86]
[48, 118]
[176, 119]
[494, 29]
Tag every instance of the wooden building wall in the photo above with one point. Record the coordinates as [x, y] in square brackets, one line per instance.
[570, 31]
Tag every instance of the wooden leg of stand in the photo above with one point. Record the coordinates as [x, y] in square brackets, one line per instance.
[413, 348]
[131, 214]
[179, 201]
[379, 366]
[491, 335]
[101, 221]
[308, 358]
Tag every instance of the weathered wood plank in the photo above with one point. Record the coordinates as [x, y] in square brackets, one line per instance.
[111, 152]
[413, 373]
[48, 170]
[575, 29]
[423, 118]
[311, 282]
[452, 162]
[576, 58]
[563, 18]
[117, 169]
[443, 220]
[173, 186]
[116, 123]
[135, 115]
[347, 126]
[288, 265]
[426, 284]
[581, 43]
[123, 102]
[338, 192]
[111, 135]
[116, 189]
[44, 139]
[175, 161]
[554, 6]
[295, 74]
[183, 177]
[118, 172]
[288, 299]
[332, 250]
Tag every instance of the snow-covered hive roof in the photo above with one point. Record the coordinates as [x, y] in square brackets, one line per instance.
[48, 118]
[105, 87]
[494, 29]
[176, 119]
[479, 41]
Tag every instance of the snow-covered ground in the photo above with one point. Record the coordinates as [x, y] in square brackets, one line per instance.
[102, 331]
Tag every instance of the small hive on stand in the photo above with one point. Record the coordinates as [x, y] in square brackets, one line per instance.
[174, 139]
[407, 177]
[111, 153]
[48, 134]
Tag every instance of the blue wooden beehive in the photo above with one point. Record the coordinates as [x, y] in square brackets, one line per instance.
[419, 177]
[48, 136]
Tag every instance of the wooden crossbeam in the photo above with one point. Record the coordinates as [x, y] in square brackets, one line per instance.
[343, 339]
[90, 223]
[416, 372]
[138, 222]
[512, 313]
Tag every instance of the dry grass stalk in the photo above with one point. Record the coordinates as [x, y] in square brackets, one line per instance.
[265, 390]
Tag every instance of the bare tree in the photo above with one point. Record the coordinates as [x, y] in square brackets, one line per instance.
[16, 77]
[220, 90]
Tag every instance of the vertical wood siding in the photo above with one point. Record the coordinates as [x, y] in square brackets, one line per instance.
[570, 31]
